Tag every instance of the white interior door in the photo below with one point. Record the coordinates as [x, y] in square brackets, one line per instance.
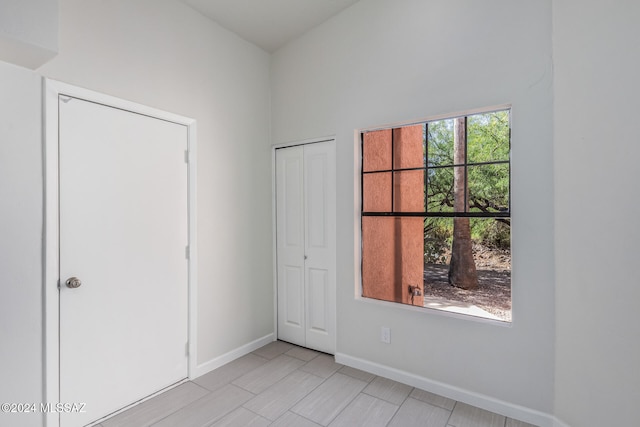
[123, 234]
[305, 241]
[290, 244]
[320, 246]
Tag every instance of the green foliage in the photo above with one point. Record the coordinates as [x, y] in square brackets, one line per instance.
[488, 141]
[438, 234]
[488, 137]
[490, 232]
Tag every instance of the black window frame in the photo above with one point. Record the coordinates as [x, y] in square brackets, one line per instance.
[426, 213]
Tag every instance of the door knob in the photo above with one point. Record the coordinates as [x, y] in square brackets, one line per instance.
[73, 282]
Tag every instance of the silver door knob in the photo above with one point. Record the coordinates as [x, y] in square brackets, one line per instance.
[73, 282]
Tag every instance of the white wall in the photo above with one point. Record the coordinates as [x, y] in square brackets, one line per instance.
[28, 31]
[596, 62]
[382, 62]
[378, 63]
[163, 54]
[20, 242]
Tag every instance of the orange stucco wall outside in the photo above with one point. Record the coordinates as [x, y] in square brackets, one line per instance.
[393, 247]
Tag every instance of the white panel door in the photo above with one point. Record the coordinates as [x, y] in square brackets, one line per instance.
[306, 210]
[290, 244]
[320, 246]
[123, 233]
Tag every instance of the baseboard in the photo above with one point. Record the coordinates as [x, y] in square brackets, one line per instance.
[215, 363]
[472, 398]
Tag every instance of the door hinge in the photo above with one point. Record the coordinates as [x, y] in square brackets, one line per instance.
[187, 252]
[186, 348]
[186, 156]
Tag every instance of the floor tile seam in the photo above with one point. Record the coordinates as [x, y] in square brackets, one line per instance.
[388, 401]
[198, 385]
[200, 398]
[312, 373]
[239, 386]
[432, 403]
[253, 354]
[232, 379]
[220, 385]
[379, 398]
[329, 357]
[181, 408]
[266, 357]
[247, 373]
[505, 418]
[350, 402]
[344, 408]
[451, 415]
[254, 413]
[332, 419]
[277, 381]
[254, 393]
[292, 372]
[300, 415]
[306, 361]
[450, 411]
[138, 404]
[221, 416]
[351, 376]
[398, 406]
[322, 380]
[394, 413]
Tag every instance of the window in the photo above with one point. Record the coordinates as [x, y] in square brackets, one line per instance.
[436, 217]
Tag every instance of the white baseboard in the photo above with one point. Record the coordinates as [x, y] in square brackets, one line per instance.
[215, 363]
[472, 398]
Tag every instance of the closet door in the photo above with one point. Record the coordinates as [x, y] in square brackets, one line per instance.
[290, 244]
[305, 186]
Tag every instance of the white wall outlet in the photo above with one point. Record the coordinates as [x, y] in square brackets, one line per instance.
[385, 335]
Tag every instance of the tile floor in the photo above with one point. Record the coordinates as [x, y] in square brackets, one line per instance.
[284, 385]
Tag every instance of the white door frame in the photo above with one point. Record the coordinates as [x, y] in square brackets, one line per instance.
[274, 230]
[52, 90]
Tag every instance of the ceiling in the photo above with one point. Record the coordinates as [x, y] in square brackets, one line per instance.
[269, 24]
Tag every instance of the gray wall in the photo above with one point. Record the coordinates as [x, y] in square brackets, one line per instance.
[597, 147]
[20, 242]
[166, 55]
[163, 54]
[378, 63]
[383, 62]
[28, 31]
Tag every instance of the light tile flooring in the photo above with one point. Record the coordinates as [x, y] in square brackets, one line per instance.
[284, 385]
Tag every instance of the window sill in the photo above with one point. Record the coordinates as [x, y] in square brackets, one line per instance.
[437, 307]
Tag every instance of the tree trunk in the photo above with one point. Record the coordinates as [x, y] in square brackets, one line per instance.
[462, 268]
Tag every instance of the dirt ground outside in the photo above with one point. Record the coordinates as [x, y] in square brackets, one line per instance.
[494, 279]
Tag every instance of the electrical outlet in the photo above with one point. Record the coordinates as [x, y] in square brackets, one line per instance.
[385, 335]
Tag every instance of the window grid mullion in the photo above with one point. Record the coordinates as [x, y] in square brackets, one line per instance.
[466, 162]
[362, 173]
[393, 165]
[497, 162]
[426, 168]
[426, 164]
[442, 214]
